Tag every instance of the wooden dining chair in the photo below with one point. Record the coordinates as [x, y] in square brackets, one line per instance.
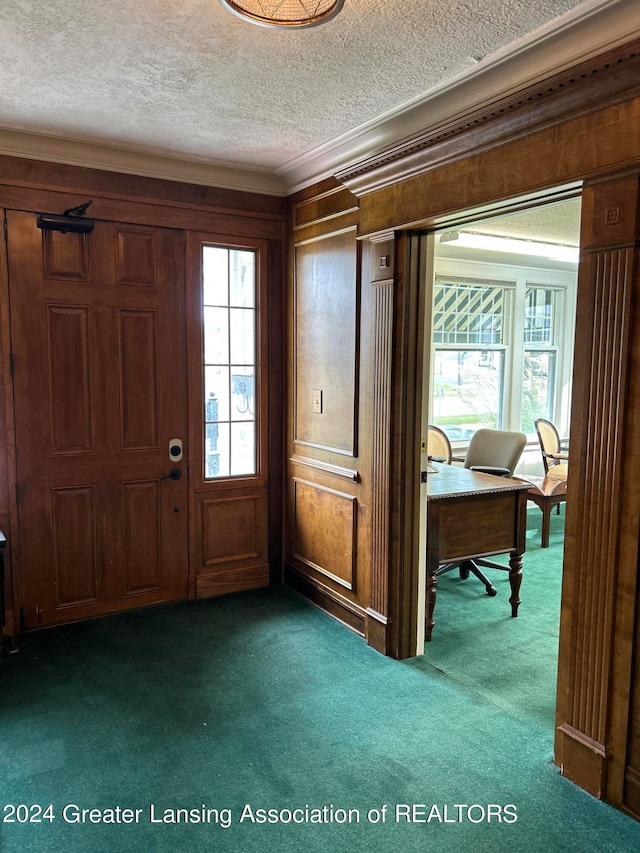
[438, 445]
[555, 453]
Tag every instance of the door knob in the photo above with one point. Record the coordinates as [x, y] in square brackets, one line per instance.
[174, 474]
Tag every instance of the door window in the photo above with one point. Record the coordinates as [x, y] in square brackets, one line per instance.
[230, 393]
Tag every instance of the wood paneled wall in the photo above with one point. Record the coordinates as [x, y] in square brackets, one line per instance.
[326, 342]
[350, 326]
[328, 507]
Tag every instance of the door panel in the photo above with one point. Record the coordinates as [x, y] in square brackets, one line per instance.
[98, 338]
[75, 547]
[139, 380]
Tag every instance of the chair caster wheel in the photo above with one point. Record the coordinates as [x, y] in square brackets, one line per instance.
[492, 591]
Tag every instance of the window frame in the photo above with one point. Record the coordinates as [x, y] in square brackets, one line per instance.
[517, 278]
[228, 366]
[195, 343]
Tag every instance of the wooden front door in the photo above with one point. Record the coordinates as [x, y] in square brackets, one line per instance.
[98, 340]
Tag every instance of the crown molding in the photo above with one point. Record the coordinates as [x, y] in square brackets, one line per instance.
[587, 31]
[150, 164]
[608, 79]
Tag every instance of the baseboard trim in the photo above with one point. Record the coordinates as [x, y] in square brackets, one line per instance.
[339, 608]
[377, 631]
[631, 797]
[584, 761]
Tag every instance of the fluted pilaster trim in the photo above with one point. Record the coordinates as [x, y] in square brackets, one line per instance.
[382, 397]
[601, 558]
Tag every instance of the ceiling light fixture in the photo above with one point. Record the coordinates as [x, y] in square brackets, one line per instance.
[285, 14]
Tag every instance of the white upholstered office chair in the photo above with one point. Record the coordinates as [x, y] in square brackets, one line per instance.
[495, 451]
[490, 451]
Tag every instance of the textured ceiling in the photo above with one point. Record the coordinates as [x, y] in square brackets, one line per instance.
[188, 79]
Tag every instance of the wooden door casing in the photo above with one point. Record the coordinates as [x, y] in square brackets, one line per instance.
[98, 341]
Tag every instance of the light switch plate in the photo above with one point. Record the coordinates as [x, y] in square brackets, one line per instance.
[317, 402]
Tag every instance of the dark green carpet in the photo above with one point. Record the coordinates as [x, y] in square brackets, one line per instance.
[261, 699]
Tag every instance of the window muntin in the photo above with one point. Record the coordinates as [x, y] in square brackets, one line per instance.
[468, 312]
[539, 315]
[229, 345]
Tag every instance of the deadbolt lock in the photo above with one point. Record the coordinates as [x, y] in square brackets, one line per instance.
[175, 450]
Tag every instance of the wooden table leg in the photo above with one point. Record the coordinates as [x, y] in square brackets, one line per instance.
[432, 568]
[515, 579]
[431, 603]
[546, 523]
